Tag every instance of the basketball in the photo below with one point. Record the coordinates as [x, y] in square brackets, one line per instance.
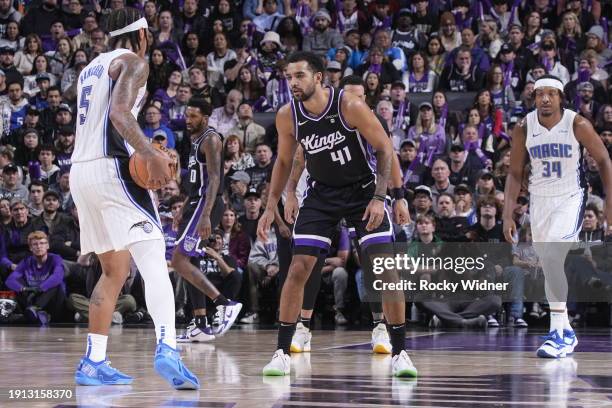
[138, 167]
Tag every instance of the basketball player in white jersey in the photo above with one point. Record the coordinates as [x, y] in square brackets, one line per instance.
[118, 219]
[552, 138]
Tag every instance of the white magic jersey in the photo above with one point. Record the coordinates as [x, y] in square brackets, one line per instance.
[96, 137]
[556, 157]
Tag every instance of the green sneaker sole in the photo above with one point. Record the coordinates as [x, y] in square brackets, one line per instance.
[406, 373]
[273, 372]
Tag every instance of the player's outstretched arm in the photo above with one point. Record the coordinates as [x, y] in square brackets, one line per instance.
[518, 157]
[586, 135]
[282, 167]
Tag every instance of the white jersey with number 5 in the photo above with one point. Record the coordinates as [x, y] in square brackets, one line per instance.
[96, 137]
[556, 157]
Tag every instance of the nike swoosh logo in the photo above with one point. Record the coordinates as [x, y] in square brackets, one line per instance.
[367, 184]
[302, 123]
[231, 313]
[537, 135]
[395, 327]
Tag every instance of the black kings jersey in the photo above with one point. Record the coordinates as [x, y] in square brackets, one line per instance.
[197, 171]
[336, 155]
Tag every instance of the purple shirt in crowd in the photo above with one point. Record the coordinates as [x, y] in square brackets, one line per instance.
[45, 277]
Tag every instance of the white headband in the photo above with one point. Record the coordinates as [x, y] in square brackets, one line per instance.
[136, 25]
[551, 82]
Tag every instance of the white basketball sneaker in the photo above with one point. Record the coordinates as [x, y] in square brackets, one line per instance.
[380, 340]
[301, 339]
[553, 347]
[226, 316]
[401, 366]
[280, 364]
[193, 334]
[570, 340]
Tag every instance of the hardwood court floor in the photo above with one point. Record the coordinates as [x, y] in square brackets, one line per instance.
[456, 369]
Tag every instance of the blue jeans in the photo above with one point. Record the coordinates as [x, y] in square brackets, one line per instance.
[516, 277]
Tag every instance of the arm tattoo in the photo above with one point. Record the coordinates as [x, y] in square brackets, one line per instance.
[296, 169]
[132, 76]
[212, 151]
[383, 171]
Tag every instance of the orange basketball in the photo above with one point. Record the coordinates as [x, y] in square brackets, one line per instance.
[138, 167]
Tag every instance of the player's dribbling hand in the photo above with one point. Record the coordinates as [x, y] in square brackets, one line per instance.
[158, 167]
[374, 213]
[204, 229]
[264, 224]
[291, 208]
[509, 230]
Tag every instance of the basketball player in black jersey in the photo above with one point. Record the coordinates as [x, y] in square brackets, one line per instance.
[202, 209]
[353, 85]
[337, 133]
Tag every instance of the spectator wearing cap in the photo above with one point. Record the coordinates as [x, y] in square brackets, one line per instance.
[38, 19]
[404, 112]
[262, 171]
[238, 187]
[13, 106]
[463, 75]
[51, 218]
[271, 16]
[36, 190]
[39, 281]
[225, 117]
[407, 36]
[350, 17]
[587, 107]
[153, 126]
[27, 151]
[63, 118]
[429, 135]
[7, 56]
[549, 59]
[595, 41]
[464, 203]
[485, 185]
[422, 202]
[513, 68]
[64, 146]
[323, 37]
[14, 243]
[463, 168]
[333, 74]
[253, 210]
[63, 187]
[413, 171]
[11, 187]
[449, 226]
[250, 133]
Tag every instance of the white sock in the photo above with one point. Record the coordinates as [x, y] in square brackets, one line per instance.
[149, 257]
[557, 321]
[566, 323]
[96, 347]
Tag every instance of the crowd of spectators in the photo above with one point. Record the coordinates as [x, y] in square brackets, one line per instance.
[470, 64]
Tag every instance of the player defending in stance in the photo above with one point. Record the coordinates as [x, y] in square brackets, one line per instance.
[118, 218]
[334, 130]
[203, 209]
[552, 138]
